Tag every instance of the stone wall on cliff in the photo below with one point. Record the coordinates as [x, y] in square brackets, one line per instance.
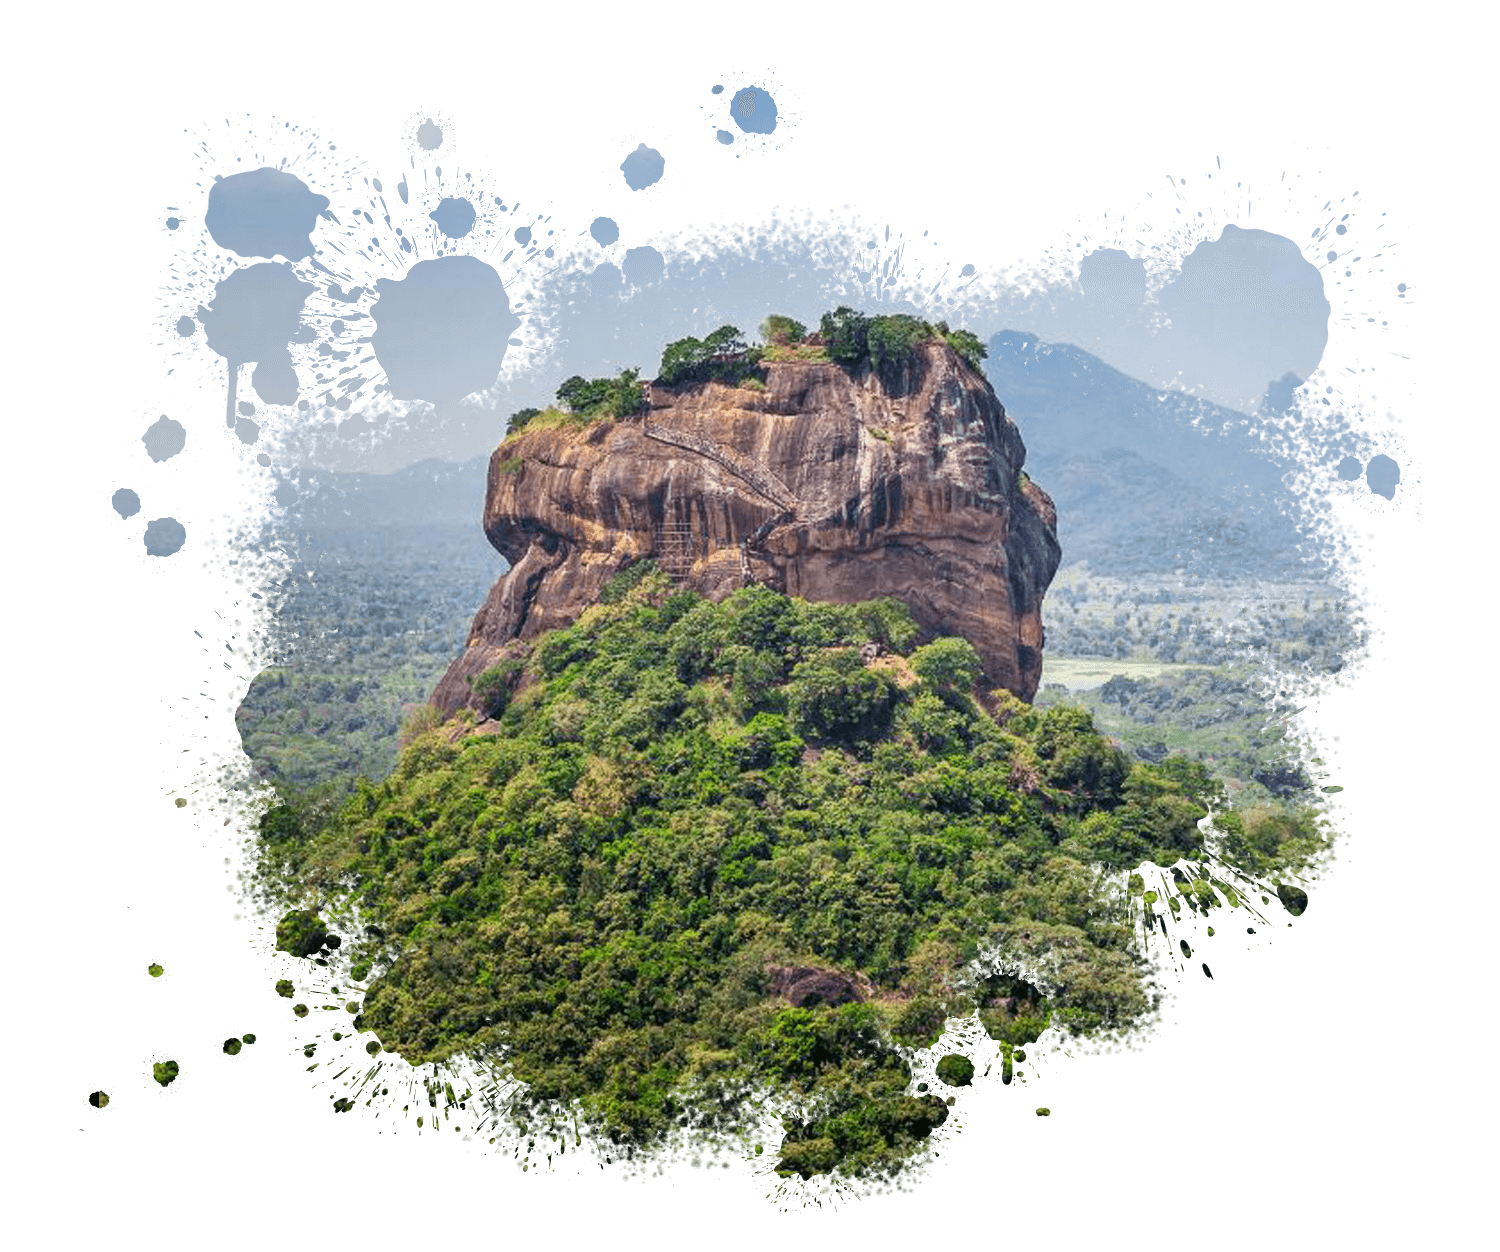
[829, 485]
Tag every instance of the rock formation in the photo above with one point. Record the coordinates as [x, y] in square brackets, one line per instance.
[804, 986]
[827, 485]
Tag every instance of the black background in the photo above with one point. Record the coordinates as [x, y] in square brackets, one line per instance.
[1281, 1065]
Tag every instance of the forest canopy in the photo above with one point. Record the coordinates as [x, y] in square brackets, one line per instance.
[706, 851]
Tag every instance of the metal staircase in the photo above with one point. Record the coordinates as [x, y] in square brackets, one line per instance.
[674, 541]
[676, 547]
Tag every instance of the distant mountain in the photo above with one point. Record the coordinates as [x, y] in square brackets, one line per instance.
[1125, 515]
[1146, 480]
[1068, 402]
[427, 493]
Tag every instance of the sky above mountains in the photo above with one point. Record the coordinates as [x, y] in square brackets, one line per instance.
[419, 347]
[1241, 312]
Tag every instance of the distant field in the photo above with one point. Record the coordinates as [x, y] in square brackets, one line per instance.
[1079, 673]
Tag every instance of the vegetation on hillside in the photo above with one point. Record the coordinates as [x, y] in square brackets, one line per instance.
[390, 606]
[886, 343]
[581, 399]
[367, 626]
[684, 801]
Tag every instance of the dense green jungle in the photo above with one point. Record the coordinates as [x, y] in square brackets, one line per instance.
[390, 606]
[685, 857]
[679, 812]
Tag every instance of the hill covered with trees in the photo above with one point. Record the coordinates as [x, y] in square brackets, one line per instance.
[689, 855]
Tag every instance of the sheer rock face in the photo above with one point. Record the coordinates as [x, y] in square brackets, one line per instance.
[827, 485]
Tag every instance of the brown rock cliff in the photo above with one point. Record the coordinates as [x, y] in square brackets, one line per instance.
[826, 485]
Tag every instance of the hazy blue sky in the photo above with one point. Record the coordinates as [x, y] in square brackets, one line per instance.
[1239, 312]
[1242, 311]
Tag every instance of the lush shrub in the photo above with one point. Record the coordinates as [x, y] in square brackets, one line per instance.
[655, 700]
[892, 342]
[1075, 760]
[889, 622]
[947, 664]
[678, 604]
[828, 626]
[621, 396]
[761, 619]
[697, 639]
[492, 687]
[682, 361]
[845, 335]
[519, 419]
[832, 695]
[626, 581]
[722, 356]
[755, 679]
[966, 345]
[889, 342]
[781, 330]
[936, 726]
[559, 649]
[794, 1045]
[765, 741]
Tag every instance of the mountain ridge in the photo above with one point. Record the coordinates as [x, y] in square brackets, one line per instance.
[1143, 479]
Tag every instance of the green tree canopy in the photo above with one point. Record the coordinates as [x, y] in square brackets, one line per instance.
[845, 335]
[832, 695]
[492, 687]
[520, 418]
[949, 663]
[681, 360]
[602, 397]
[726, 341]
[892, 343]
[967, 344]
[782, 330]
[689, 814]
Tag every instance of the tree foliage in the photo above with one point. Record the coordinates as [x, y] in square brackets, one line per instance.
[620, 396]
[782, 330]
[892, 343]
[949, 663]
[889, 342]
[686, 797]
[492, 687]
[722, 356]
[845, 335]
[969, 346]
[520, 419]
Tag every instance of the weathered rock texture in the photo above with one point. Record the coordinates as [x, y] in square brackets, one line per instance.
[827, 485]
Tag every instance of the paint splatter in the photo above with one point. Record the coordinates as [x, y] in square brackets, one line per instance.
[180, 802]
[643, 167]
[755, 113]
[164, 438]
[1044, 1112]
[232, 1047]
[360, 309]
[284, 987]
[956, 1070]
[98, 1099]
[1207, 973]
[643, 265]
[1349, 468]
[605, 233]
[301, 1011]
[164, 536]
[173, 223]
[1294, 899]
[265, 213]
[126, 503]
[717, 89]
[248, 1038]
[164, 1074]
[301, 932]
[155, 970]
